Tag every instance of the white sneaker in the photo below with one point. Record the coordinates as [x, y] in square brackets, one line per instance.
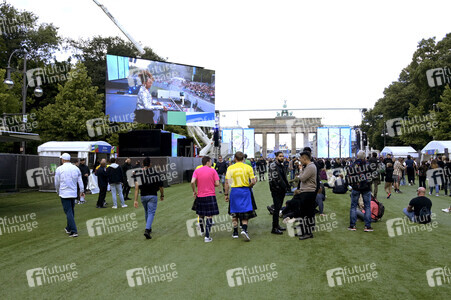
[436, 195]
[289, 220]
[430, 193]
[114, 206]
[445, 210]
[125, 205]
[208, 240]
[245, 235]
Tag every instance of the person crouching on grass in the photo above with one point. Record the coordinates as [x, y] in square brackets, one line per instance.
[206, 179]
[240, 204]
[150, 184]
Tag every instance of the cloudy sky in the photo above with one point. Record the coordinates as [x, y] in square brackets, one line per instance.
[314, 54]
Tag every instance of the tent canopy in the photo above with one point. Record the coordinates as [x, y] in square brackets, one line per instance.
[436, 147]
[399, 151]
[70, 146]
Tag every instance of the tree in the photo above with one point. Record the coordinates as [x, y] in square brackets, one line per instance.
[443, 120]
[77, 102]
[411, 98]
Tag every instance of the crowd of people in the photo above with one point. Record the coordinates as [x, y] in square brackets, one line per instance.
[202, 90]
[302, 177]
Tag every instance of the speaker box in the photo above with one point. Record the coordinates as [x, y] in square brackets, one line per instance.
[140, 143]
[185, 147]
[166, 144]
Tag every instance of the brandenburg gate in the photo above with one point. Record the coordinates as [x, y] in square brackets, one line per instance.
[285, 123]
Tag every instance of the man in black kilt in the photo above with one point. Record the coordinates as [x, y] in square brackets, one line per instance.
[205, 179]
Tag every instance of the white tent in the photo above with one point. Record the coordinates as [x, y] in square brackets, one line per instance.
[82, 148]
[436, 147]
[399, 151]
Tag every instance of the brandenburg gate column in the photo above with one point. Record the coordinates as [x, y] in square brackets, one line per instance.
[277, 143]
[306, 139]
[293, 143]
[265, 144]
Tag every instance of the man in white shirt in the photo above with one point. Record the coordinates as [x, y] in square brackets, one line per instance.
[144, 101]
[67, 176]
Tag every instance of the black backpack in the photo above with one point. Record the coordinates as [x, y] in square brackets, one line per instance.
[380, 210]
[424, 216]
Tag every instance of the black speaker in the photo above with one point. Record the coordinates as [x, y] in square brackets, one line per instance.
[140, 143]
[216, 137]
[185, 147]
[166, 144]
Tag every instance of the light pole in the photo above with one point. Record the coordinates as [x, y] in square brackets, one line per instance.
[10, 83]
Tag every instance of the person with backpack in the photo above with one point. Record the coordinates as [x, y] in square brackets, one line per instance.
[377, 210]
[360, 186]
[340, 186]
[419, 209]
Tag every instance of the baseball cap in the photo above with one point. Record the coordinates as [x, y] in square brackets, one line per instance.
[65, 156]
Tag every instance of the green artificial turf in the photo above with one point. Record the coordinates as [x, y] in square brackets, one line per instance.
[102, 261]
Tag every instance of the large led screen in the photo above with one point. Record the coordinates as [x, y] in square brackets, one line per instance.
[154, 92]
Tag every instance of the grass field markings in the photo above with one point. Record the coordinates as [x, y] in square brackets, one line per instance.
[112, 224]
[221, 223]
[401, 226]
[17, 223]
[346, 275]
[438, 276]
[150, 275]
[51, 274]
[247, 275]
[327, 223]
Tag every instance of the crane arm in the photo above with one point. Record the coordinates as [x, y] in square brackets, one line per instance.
[131, 39]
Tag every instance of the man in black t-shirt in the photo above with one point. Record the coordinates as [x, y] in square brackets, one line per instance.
[416, 204]
[221, 168]
[149, 183]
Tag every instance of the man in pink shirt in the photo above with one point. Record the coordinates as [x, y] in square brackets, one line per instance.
[205, 179]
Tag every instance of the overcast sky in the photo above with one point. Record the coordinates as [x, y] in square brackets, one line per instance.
[314, 54]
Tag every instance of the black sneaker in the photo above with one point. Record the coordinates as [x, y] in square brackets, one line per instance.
[147, 234]
[352, 228]
[73, 234]
[67, 231]
[306, 236]
[368, 229]
[270, 209]
[276, 231]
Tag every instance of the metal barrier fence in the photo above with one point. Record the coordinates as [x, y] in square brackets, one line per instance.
[34, 172]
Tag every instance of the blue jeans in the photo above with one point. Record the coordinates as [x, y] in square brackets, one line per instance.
[367, 206]
[117, 188]
[292, 174]
[409, 214]
[150, 206]
[68, 207]
[437, 189]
